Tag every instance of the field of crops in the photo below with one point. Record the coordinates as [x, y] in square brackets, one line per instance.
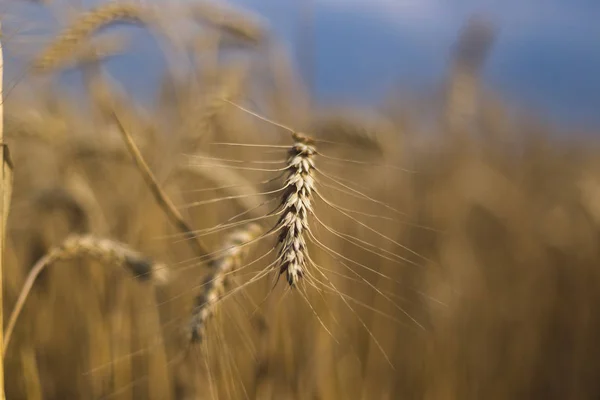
[233, 241]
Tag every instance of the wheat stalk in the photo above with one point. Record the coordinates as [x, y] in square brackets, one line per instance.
[160, 195]
[104, 250]
[215, 284]
[5, 194]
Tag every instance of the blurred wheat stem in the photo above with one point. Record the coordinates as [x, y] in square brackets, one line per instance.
[104, 250]
[5, 195]
[2, 188]
[159, 194]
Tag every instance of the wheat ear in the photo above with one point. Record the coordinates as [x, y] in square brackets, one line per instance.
[104, 250]
[86, 25]
[296, 202]
[216, 282]
[296, 206]
[96, 50]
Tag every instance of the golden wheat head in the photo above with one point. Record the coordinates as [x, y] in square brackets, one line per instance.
[296, 206]
[84, 27]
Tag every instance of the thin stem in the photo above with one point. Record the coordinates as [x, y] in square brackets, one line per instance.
[5, 192]
[160, 196]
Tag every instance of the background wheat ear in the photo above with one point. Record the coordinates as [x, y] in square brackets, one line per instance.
[107, 251]
[214, 286]
[85, 26]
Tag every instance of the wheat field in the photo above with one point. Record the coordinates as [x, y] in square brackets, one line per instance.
[233, 241]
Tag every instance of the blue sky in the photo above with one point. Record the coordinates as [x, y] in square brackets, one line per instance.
[547, 54]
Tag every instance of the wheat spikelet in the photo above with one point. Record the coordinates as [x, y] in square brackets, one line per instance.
[104, 250]
[295, 207]
[215, 284]
[85, 26]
